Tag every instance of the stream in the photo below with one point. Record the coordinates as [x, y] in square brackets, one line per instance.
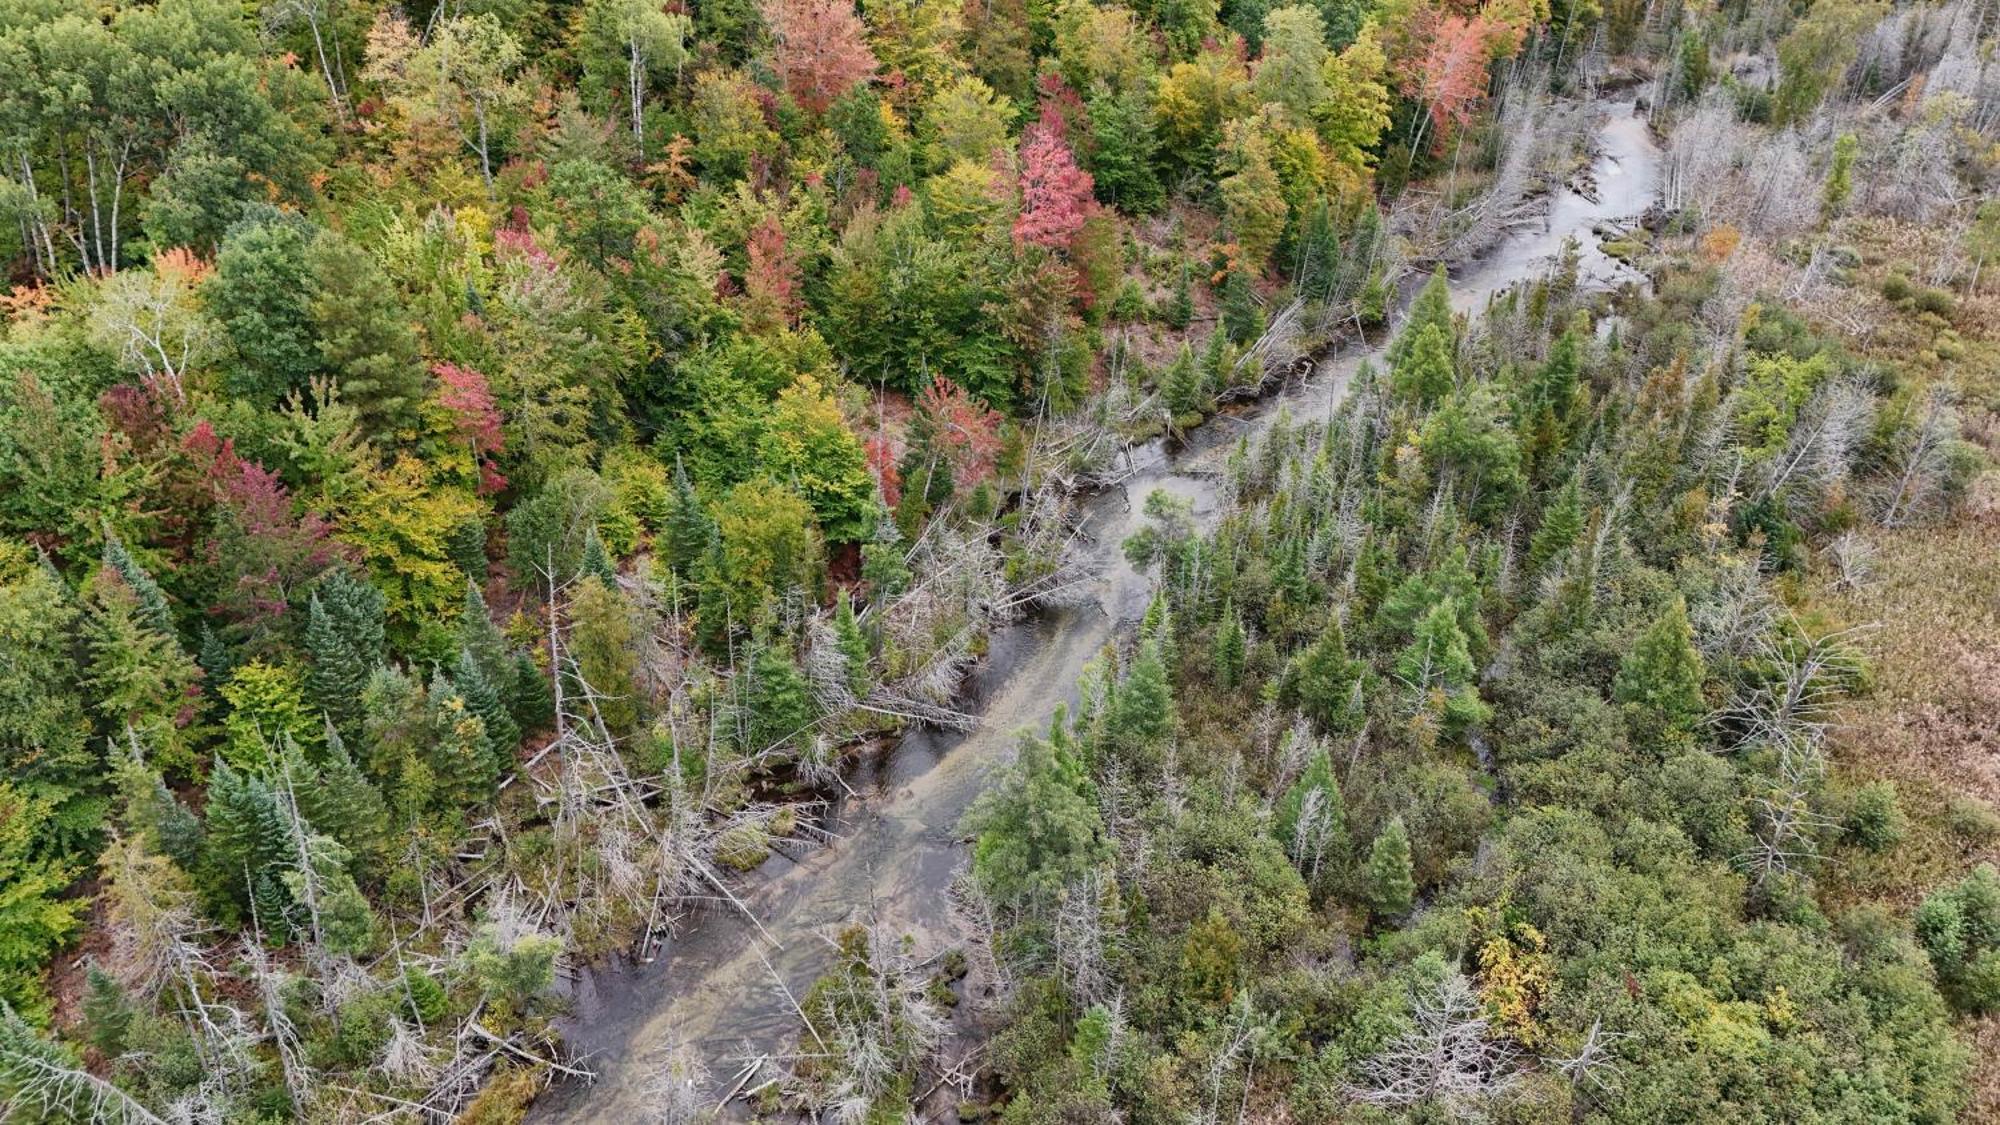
[897, 850]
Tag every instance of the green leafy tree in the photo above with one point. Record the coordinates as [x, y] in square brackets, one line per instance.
[36, 918]
[266, 704]
[603, 641]
[262, 297]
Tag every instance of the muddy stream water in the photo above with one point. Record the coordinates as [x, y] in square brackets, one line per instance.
[708, 987]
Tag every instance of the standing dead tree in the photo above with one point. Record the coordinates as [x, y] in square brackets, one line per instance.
[1446, 1058]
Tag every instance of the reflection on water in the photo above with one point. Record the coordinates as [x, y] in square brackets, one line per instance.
[709, 986]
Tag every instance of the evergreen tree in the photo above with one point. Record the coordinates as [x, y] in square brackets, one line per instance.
[1562, 522]
[456, 748]
[1426, 372]
[1321, 679]
[1142, 713]
[779, 702]
[1229, 649]
[1431, 310]
[1184, 387]
[339, 801]
[503, 734]
[365, 340]
[107, 1012]
[1391, 885]
[139, 674]
[248, 839]
[1659, 681]
[531, 697]
[603, 641]
[1039, 829]
[1318, 777]
[689, 530]
[882, 563]
[1242, 313]
[1121, 159]
[153, 611]
[338, 674]
[480, 638]
[854, 649]
[597, 560]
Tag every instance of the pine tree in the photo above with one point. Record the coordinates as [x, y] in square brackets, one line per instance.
[1391, 887]
[1229, 649]
[1659, 681]
[853, 647]
[365, 339]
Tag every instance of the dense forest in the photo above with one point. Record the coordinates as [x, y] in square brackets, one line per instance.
[474, 475]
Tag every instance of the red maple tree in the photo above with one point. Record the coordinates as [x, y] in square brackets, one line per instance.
[821, 49]
[964, 429]
[1055, 193]
[1449, 78]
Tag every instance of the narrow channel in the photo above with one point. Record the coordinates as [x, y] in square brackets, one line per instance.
[711, 986]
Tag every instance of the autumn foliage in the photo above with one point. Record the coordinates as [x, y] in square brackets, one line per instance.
[1055, 193]
[821, 49]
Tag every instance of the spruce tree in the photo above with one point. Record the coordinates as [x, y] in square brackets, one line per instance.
[503, 734]
[530, 696]
[1229, 649]
[1039, 829]
[1242, 315]
[597, 560]
[1391, 886]
[1659, 681]
[341, 802]
[689, 529]
[882, 564]
[1318, 777]
[153, 609]
[853, 646]
[603, 642]
[779, 701]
